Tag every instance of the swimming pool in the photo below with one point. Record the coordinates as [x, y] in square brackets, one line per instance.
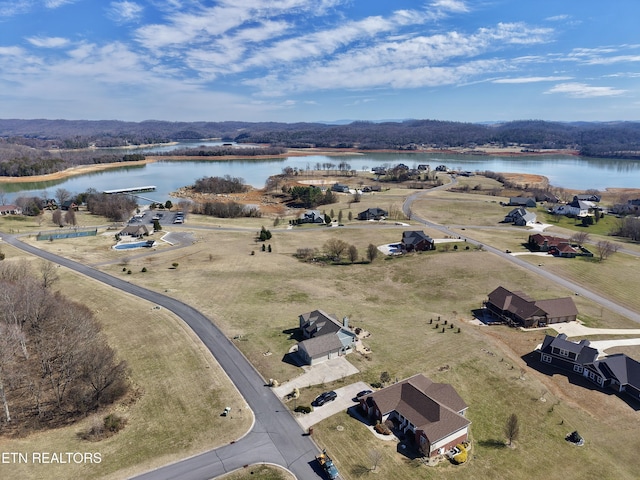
[127, 246]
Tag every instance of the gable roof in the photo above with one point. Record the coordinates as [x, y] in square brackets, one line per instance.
[318, 322]
[624, 369]
[321, 345]
[431, 407]
[584, 353]
[558, 307]
[134, 230]
[414, 237]
[523, 306]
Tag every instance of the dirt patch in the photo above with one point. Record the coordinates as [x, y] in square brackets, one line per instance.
[527, 180]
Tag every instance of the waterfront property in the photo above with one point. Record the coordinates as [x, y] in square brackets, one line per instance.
[147, 188]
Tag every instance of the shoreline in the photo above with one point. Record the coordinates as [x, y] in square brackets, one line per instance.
[86, 169]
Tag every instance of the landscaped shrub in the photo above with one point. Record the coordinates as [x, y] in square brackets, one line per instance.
[113, 423]
[462, 456]
[382, 429]
[144, 269]
[303, 409]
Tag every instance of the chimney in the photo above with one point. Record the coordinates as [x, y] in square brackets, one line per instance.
[345, 322]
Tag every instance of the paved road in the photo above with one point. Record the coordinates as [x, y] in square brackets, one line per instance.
[577, 289]
[275, 437]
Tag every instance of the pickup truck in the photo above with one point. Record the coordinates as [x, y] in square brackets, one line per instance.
[327, 465]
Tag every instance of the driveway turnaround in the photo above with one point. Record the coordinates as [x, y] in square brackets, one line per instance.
[275, 437]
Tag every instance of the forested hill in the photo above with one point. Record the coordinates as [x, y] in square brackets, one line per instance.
[613, 139]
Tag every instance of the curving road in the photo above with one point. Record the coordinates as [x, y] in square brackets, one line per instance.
[275, 437]
[579, 290]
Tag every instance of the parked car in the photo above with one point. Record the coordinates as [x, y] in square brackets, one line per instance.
[325, 397]
[363, 393]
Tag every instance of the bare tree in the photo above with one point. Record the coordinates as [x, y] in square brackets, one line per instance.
[48, 273]
[605, 249]
[375, 456]
[62, 195]
[353, 253]
[56, 217]
[580, 237]
[512, 428]
[70, 217]
[372, 252]
[335, 248]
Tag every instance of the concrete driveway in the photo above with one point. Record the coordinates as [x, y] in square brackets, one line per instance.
[340, 404]
[324, 372]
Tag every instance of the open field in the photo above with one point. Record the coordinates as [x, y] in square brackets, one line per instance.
[257, 299]
[178, 390]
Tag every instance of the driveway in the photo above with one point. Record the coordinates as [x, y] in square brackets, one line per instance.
[340, 404]
[324, 372]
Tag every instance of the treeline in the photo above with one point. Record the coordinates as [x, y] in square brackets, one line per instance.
[114, 207]
[225, 210]
[204, 151]
[21, 161]
[55, 364]
[612, 139]
[310, 197]
[220, 185]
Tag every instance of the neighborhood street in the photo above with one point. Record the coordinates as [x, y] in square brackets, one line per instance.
[275, 438]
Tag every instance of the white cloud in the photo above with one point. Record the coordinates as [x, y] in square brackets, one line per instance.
[9, 8]
[530, 79]
[11, 51]
[57, 3]
[557, 18]
[582, 90]
[48, 42]
[457, 6]
[125, 11]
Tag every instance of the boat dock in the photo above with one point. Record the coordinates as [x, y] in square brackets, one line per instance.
[148, 188]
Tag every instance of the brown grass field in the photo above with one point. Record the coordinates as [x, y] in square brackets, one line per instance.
[258, 298]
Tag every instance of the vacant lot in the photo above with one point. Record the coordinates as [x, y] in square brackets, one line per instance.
[177, 393]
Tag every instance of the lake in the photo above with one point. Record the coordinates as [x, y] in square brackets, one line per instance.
[563, 171]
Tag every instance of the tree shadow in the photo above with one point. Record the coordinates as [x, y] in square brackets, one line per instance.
[492, 443]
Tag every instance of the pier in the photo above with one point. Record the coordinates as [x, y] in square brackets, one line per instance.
[148, 188]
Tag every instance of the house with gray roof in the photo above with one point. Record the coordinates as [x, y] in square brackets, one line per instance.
[136, 231]
[374, 213]
[522, 202]
[618, 372]
[432, 413]
[517, 308]
[325, 337]
[520, 217]
[311, 216]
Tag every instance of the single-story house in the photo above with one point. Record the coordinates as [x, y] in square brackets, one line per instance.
[618, 372]
[416, 240]
[557, 246]
[374, 213]
[136, 231]
[433, 414]
[10, 210]
[519, 309]
[325, 337]
[338, 187]
[311, 216]
[522, 202]
[520, 217]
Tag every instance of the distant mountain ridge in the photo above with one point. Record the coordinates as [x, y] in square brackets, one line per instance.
[597, 139]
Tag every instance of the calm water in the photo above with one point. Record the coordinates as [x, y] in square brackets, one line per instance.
[563, 171]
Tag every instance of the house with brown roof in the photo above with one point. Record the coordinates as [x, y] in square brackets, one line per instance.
[432, 413]
[10, 210]
[517, 308]
[136, 231]
[325, 337]
[557, 246]
[416, 240]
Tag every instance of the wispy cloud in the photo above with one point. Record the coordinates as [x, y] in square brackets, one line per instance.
[48, 42]
[124, 12]
[57, 3]
[457, 6]
[582, 90]
[530, 79]
[557, 18]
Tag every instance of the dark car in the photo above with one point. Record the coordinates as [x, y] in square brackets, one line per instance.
[363, 393]
[325, 397]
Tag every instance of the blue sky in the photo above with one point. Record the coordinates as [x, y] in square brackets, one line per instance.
[320, 60]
